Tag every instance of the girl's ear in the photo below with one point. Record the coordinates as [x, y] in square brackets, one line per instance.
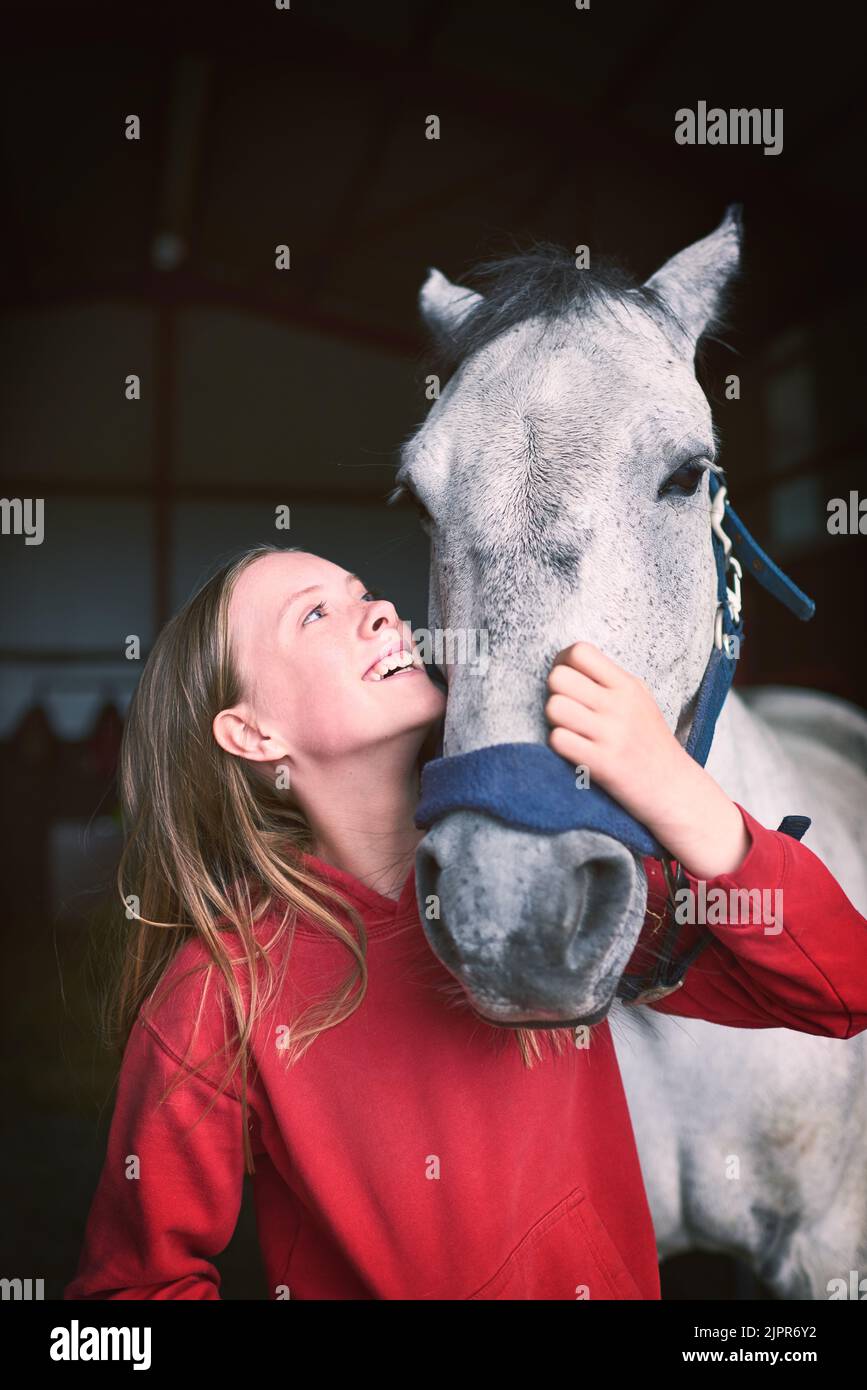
[233, 732]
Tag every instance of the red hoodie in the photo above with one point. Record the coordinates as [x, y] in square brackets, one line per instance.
[410, 1154]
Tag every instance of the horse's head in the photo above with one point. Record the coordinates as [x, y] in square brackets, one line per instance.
[563, 480]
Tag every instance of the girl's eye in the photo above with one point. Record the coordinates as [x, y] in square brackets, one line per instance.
[320, 608]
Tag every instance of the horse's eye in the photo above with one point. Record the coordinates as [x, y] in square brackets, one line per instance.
[422, 512]
[684, 480]
[403, 494]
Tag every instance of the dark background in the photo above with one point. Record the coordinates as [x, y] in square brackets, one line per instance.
[262, 387]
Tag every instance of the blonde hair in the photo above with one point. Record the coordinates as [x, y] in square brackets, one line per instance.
[202, 829]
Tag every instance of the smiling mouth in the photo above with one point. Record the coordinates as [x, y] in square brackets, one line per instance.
[395, 664]
[392, 675]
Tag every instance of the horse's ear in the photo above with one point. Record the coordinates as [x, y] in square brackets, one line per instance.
[444, 305]
[692, 284]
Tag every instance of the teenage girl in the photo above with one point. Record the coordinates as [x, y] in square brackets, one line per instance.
[280, 1012]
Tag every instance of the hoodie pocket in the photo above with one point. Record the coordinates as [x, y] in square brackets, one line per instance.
[567, 1254]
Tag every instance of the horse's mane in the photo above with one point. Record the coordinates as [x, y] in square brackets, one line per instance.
[542, 281]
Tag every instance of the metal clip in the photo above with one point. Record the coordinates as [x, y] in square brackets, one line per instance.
[733, 595]
[717, 512]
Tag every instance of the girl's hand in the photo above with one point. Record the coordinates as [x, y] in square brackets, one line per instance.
[606, 720]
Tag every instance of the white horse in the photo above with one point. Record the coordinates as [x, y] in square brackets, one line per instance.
[561, 476]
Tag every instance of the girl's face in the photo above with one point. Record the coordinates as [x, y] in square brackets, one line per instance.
[307, 637]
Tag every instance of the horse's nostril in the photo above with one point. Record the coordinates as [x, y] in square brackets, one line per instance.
[602, 890]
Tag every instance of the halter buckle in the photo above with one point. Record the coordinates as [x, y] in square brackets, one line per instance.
[650, 996]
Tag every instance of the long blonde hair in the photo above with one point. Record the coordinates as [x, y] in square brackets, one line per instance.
[210, 841]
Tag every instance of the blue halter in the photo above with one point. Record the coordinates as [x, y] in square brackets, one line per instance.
[530, 787]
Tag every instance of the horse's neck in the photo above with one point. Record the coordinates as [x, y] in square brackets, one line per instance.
[751, 764]
[773, 776]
